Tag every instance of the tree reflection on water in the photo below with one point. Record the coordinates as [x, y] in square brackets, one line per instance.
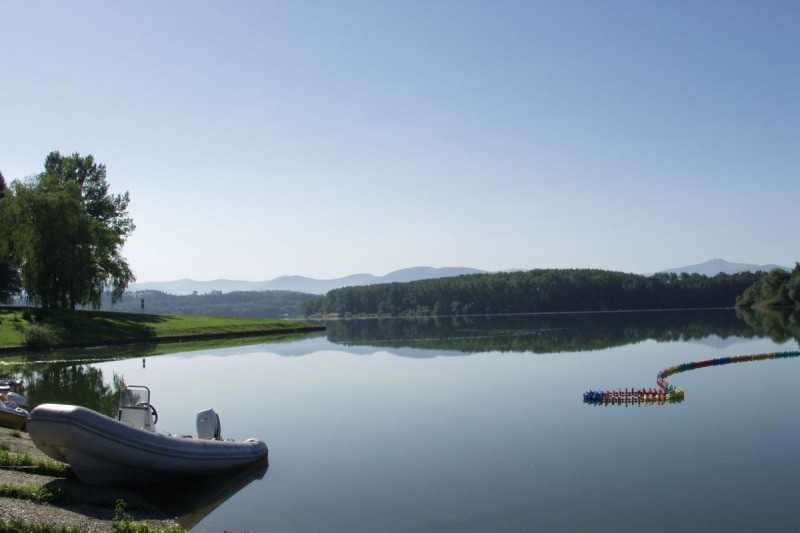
[73, 384]
[553, 333]
[780, 325]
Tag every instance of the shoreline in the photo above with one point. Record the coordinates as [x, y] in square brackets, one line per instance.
[51, 502]
[82, 507]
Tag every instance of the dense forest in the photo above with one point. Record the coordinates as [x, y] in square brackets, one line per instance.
[255, 304]
[535, 291]
[777, 289]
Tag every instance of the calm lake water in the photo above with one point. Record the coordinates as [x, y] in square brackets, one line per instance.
[479, 425]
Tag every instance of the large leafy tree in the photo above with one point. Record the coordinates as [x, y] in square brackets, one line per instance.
[778, 288]
[9, 274]
[70, 234]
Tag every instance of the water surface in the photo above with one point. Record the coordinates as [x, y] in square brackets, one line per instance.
[480, 426]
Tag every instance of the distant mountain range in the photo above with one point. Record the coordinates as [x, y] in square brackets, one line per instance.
[302, 283]
[321, 286]
[717, 266]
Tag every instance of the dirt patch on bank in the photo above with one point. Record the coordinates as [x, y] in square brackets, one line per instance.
[93, 507]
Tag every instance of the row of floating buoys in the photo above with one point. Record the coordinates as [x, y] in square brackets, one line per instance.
[668, 393]
[626, 396]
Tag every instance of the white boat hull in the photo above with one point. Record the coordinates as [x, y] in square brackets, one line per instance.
[104, 451]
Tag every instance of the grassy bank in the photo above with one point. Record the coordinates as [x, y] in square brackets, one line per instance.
[21, 329]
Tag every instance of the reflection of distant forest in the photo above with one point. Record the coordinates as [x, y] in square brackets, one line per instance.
[543, 333]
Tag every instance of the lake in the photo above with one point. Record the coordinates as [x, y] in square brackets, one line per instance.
[478, 424]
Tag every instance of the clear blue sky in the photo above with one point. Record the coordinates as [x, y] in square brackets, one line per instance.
[259, 138]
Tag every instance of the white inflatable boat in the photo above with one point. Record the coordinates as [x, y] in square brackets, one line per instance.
[126, 451]
[11, 415]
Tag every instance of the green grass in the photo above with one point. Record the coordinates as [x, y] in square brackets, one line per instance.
[15, 526]
[124, 524]
[91, 327]
[11, 326]
[47, 467]
[35, 494]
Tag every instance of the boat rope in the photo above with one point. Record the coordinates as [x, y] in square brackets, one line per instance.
[667, 392]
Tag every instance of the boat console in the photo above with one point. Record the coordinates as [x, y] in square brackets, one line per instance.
[135, 408]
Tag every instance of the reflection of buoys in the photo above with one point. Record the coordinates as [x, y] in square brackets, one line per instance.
[668, 392]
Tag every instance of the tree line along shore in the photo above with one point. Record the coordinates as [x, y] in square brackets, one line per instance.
[560, 290]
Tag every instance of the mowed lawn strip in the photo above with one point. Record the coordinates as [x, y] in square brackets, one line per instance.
[98, 326]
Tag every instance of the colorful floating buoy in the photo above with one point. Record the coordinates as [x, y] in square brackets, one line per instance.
[668, 393]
